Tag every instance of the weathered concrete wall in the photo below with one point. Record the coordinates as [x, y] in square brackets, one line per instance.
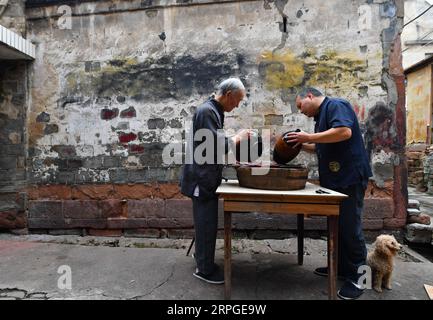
[13, 17]
[110, 92]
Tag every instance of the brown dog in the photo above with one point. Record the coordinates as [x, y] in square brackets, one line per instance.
[381, 261]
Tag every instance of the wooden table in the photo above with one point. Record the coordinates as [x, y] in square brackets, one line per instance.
[299, 202]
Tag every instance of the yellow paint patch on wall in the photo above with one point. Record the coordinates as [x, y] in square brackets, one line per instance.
[328, 69]
[334, 69]
[282, 70]
[419, 104]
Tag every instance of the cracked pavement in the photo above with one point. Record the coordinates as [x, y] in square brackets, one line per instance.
[148, 269]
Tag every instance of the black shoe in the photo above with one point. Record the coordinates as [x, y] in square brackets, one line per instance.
[216, 277]
[324, 273]
[349, 291]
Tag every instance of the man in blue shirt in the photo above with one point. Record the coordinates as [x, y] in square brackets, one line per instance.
[343, 167]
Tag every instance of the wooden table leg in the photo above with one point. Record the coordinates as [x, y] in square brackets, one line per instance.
[227, 255]
[332, 256]
[300, 239]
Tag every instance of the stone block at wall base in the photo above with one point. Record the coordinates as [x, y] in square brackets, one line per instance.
[393, 223]
[12, 220]
[104, 232]
[142, 233]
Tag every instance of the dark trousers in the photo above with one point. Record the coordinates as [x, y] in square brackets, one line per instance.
[206, 227]
[352, 252]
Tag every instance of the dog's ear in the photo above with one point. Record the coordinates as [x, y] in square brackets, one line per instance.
[381, 246]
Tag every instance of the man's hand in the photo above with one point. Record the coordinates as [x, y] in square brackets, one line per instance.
[332, 135]
[297, 137]
[241, 135]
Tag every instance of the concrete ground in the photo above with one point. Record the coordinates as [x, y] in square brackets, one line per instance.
[426, 207]
[134, 268]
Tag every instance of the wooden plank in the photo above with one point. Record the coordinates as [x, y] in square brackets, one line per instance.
[429, 290]
[300, 239]
[286, 208]
[232, 187]
[284, 198]
[332, 256]
[227, 255]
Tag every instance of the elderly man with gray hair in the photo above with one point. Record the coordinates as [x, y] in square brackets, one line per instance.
[200, 179]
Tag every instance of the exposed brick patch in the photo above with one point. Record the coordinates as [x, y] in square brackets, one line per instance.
[157, 123]
[175, 123]
[136, 148]
[128, 113]
[108, 114]
[43, 117]
[51, 128]
[9, 202]
[75, 163]
[146, 208]
[110, 161]
[120, 99]
[148, 136]
[64, 151]
[105, 232]
[92, 66]
[8, 162]
[126, 137]
[152, 154]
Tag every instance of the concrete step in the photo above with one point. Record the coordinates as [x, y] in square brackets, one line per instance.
[413, 204]
[419, 233]
[413, 212]
[422, 219]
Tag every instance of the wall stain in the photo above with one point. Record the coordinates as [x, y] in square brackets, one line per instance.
[281, 70]
[153, 80]
[380, 129]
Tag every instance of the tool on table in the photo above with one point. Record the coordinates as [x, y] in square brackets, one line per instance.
[321, 191]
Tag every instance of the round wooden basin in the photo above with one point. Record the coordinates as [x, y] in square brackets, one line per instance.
[279, 177]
